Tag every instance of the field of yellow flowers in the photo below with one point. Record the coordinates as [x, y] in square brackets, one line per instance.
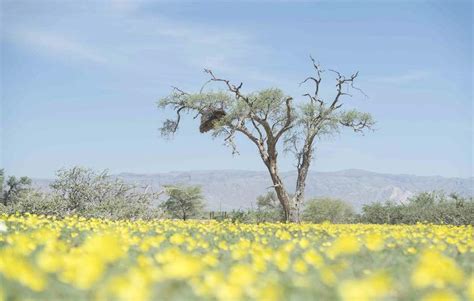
[44, 258]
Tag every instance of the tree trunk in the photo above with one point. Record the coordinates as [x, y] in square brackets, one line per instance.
[298, 198]
[303, 168]
[279, 187]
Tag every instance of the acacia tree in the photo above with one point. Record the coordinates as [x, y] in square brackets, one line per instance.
[13, 188]
[183, 202]
[271, 120]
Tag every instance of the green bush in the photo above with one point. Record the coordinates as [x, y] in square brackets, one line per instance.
[183, 202]
[429, 207]
[13, 189]
[268, 209]
[87, 193]
[37, 203]
[326, 209]
[242, 216]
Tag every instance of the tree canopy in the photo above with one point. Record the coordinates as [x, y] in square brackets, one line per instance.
[184, 202]
[271, 119]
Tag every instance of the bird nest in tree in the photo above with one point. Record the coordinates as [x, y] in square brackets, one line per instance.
[209, 118]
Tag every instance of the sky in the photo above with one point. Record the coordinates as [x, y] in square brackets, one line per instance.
[80, 80]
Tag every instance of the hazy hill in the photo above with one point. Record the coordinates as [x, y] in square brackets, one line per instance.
[233, 189]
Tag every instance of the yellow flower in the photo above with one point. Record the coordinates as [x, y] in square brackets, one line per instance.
[177, 239]
[182, 267]
[372, 287]
[22, 243]
[259, 263]
[281, 260]
[300, 266]
[312, 257]
[441, 295]
[229, 292]
[82, 271]
[223, 245]
[16, 267]
[304, 243]
[49, 261]
[470, 288]
[108, 247]
[346, 244]
[374, 242]
[271, 291]
[328, 276]
[435, 269]
[242, 275]
[135, 286]
[141, 260]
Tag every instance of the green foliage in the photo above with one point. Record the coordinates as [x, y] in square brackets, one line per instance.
[269, 209]
[326, 209]
[430, 207]
[241, 216]
[86, 193]
[13, 189]
[37, 203]
[183, 202]
[2, 179]
[97, 194]
[270, 120]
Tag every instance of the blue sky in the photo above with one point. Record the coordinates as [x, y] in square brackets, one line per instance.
[80, 79]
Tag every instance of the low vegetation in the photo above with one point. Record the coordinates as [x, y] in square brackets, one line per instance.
[427, 207]
[273, 121]
[45, 258]
[325, 209]
[84, 192]
[95, 237]
[80, 191]
[183, 202]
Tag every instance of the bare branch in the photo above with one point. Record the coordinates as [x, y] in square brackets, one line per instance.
[317, 82]
[232, 88]
[258, 130]
[179, 91]
[341, 81]
[267, 116]
[289, 119]
[236, 91]
[229, 141]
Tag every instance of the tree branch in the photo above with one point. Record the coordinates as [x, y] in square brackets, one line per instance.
[289, 119]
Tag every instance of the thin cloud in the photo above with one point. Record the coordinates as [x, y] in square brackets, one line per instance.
[408, 77]
[55, 44]
[174, 46]
[228, 51]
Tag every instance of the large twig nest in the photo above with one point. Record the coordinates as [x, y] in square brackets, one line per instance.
[209, 119]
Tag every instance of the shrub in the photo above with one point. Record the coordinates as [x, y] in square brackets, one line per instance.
[97, 194]
[242, 216]
[37, 203]
[431, 207]
[13, 189]
[326, 209]
[183, 202]
[268, 209]
[90, 194]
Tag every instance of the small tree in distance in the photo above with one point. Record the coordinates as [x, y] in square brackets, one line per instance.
[319, 210]
[183, 202]
[2, 178]
[272, 122]
[13, 188]
[269, 208]
[90, 193]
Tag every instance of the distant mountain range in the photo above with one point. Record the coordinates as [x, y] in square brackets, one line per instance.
[234, 189]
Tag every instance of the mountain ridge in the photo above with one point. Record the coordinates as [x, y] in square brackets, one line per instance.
[234, 189]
